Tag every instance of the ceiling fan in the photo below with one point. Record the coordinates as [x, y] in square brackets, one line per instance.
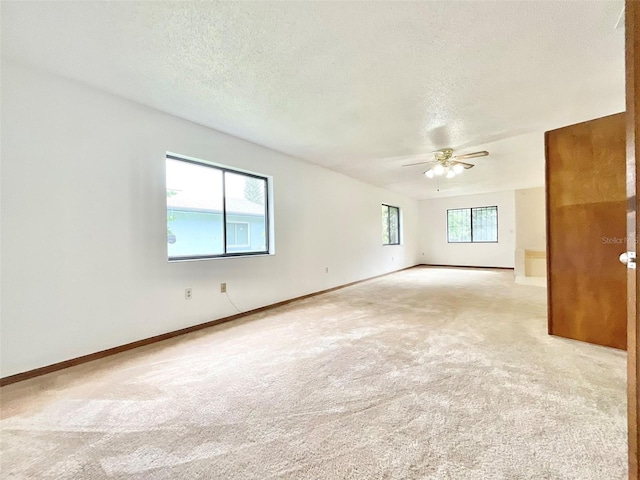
[448, 165]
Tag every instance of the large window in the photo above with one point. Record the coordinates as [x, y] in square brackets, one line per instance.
[472, 225]
[390, 225]
[214, 211]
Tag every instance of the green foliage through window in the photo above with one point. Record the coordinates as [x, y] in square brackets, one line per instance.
[390, 225]
[254, 190]
[472, 225]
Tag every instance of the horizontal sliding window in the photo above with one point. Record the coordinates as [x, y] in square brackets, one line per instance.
[472, 225]
[214, 211]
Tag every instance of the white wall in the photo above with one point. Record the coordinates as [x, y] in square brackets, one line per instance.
[434, 248]
[84, 264]
[530, 261]
[530, 219]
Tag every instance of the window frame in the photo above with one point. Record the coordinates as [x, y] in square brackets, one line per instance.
[470, 209]
[389, 225]
[267, 218]
[237, 245]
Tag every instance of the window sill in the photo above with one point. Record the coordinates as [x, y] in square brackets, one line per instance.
[220, 257]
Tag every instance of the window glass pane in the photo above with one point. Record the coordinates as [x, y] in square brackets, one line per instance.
[194, 210]
[385, 225]
[485, 224]
[246, 213]
[242, 234]
[459, 225]
[394, 225]
[231, 234]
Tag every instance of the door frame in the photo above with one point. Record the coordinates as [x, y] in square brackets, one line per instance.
[632, 74]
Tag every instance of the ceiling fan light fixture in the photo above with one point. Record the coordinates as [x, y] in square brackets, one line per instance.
[446, 164]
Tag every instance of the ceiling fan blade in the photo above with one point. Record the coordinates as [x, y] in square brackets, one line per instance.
[419, 163]
[465, 165]
[483, 153]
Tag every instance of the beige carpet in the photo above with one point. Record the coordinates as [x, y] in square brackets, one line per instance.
[423, 374]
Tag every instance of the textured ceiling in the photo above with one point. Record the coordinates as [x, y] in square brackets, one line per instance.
[358, 87]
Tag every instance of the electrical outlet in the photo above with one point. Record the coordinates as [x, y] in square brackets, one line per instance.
[187, 293]
[223, 288]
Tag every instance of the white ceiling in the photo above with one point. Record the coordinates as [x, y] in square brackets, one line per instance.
[358, 87]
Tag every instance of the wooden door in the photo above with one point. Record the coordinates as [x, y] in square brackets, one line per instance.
[586, 231]
[632, 28]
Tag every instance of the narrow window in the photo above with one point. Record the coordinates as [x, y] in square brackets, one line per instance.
[472, 225]
[390, 225]
[214, 211]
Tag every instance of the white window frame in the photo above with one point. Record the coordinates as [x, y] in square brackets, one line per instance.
[238, 245]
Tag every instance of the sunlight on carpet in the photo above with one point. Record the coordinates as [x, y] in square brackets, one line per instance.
[428, 373]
